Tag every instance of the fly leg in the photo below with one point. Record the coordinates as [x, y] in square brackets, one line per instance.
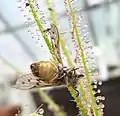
[63, 73]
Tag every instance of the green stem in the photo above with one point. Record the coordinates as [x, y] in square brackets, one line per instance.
[51, 12]
[78, 101]
[94, 105]
[54, 106]
[66, 52]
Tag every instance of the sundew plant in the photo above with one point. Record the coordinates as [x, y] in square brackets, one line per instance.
[39, 19]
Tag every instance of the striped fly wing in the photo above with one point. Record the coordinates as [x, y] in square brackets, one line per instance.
[54, 35]
[29, 81]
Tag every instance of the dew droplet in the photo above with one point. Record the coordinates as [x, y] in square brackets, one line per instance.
[95, 81]
[103, 98]
[98, 91]
[89, 105]
[97, 101]
[41, 111]
[95, 86]
[83, 102]
[101, 105]
[102, 111]
[94, 92]
[100, 83]
[27, 4]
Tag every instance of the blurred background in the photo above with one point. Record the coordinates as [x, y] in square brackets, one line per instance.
[18, 50]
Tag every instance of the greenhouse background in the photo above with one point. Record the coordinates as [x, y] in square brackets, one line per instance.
[18, 49]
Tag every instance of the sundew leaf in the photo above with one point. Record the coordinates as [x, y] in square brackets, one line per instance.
[83, 52]
[53, 18]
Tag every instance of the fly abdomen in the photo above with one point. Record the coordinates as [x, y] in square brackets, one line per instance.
[47, 70]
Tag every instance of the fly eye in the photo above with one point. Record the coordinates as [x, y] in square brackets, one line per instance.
[32, 66]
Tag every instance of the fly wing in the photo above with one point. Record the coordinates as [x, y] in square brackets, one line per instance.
[29, 81]
[54, 35]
